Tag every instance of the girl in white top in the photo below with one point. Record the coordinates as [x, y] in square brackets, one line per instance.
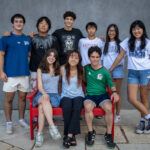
[111, 51]
[137, 48]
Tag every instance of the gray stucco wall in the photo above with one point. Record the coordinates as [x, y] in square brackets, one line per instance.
[103, 12]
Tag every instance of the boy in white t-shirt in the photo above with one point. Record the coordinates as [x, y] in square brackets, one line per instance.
[91, 40]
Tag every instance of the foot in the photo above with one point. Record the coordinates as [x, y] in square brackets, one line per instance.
[54, 132]
[140, 127]
[39, 140]
[147, 129]
[9, 128]
[73, 141]
[117, 118]
[23, 124]
[91, 138]
[109, 140]
[67, 142]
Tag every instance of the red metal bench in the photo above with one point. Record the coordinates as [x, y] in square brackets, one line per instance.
[58, 112]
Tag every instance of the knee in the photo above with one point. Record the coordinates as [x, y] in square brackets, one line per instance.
[88, 108]
[108, 109]
[40, 109]
[8, 100]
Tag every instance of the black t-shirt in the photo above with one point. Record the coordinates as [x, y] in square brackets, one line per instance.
[40, 44]
[68, 40]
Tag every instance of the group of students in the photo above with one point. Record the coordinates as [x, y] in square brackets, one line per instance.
[64, 61]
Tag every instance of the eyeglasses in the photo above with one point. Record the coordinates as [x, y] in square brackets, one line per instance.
[18, 21]
[95, 57]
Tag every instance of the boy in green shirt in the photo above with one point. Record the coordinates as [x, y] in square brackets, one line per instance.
[97, 78]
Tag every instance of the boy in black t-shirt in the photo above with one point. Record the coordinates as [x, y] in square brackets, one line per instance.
[67, 37]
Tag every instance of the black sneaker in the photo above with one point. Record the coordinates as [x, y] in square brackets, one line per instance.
[147, 129]
[90, 138]
[140, 127]
[109, 140]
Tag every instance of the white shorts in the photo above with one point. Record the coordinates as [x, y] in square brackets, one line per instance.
[33, 81]
[16, 83]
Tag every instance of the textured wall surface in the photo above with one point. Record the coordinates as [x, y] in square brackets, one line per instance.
[103, 12]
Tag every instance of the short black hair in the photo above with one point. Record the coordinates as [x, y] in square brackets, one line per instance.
[94, 49]
[69, 14]
[17, 16]
[47, 21]
[91, 24]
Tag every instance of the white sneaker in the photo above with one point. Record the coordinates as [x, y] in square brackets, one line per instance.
[54, 132]
[24, 124]
[117, 118]
[39, 140]
[9, 128]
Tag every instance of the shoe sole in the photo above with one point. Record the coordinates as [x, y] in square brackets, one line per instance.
[139, 132]
[146, 132]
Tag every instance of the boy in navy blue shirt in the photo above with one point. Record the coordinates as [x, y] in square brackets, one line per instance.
[14, 69]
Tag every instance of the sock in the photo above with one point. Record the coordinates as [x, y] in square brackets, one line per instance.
[9, 123]
[21, 120]
[142, 119]
[147, 117]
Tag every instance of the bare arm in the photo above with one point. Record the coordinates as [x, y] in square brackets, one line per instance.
[3, 76]
[29, 54]
[118, 59]
[114, 95]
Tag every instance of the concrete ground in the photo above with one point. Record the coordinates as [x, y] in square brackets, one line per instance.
[125, 136]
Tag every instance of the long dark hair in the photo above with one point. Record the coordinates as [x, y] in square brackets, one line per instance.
[44, 65]
[79, 67]
[117, 40]
[132, 38]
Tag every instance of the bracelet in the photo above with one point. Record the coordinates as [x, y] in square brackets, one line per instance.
[114, 92]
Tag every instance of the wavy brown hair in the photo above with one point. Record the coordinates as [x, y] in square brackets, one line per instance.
[44, 65]
[80, 73]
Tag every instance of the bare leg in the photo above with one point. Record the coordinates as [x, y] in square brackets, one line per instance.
[118, 83]
[22, 103]
[9, 96]
[144, 98]
[88, 106]
[107, 106]
[41, 118]
[132, 98]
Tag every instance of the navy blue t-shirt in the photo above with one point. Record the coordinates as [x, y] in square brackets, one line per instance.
[16, 49]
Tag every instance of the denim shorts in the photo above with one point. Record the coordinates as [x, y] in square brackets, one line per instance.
[118, 72]
[54, 99]
[138, 77]
[97, 99]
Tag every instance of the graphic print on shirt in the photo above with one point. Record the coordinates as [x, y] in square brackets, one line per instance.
[43, 44]
[99, 76]
[68, 42]
[138, 53]
[113, 48]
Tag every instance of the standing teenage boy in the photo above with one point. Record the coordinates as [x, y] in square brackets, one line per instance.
[14, 69]
[68, 37]
[98, 78]
[91, 40]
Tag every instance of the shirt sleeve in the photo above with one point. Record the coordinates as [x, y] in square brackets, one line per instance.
[124, 44]
[3, 44]
[30, 46]
[81, 35]
[109, 80]
[55, 44]
[148, 46]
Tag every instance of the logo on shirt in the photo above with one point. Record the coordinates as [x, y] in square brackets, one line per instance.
[26, 43]
[69, 43]
[89, 73]
[138, 53]
[99, 76]
[18, 42]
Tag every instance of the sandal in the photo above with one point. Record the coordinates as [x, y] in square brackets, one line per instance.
[67, 142]
[73, 141]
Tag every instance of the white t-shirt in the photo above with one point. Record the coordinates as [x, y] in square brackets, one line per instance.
[110, 57]
[139, 59]
[85, 44]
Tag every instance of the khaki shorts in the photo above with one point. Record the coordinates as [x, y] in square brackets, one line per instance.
[16, 83]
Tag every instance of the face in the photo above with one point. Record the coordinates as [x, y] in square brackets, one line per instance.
[68, 21]
[51, 58]
[91, 31]
[94, 59]
[112, 33]
[73, 59]
[137, 32]
[43, 27]
[18, 24]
